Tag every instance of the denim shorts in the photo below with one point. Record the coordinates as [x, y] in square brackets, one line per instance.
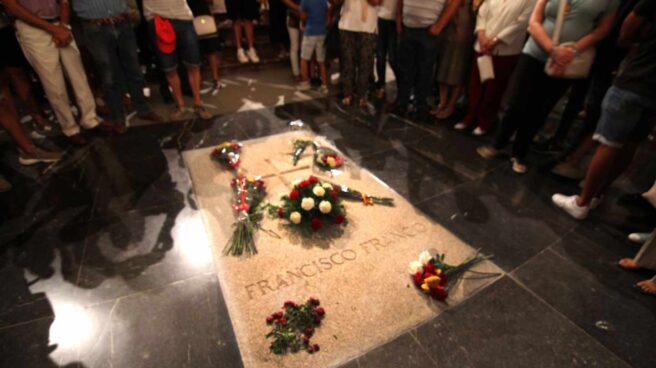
[312, 44]
[186, 45]
[625, 117]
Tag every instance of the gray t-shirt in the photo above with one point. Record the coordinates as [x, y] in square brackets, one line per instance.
[421, 13]
[580, 19]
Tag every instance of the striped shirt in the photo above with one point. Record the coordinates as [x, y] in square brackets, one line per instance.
[169, 9]
[98, 9]
[421, 13]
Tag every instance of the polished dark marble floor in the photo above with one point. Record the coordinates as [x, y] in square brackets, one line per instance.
[104, 261]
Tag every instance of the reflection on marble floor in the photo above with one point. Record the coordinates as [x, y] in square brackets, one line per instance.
[104, 261]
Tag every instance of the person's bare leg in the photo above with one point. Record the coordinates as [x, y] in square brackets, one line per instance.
[324, 73]
[305, 66]
[607, 165]
[9, 121]
[586, 145]
[174, 81]
[444, 96]
[237, 29]
[213, 60]
[193, 73]
[248, 27]
[24, 92]
[450, 105]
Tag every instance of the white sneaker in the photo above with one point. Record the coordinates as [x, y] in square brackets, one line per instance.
[324, 90]
[640, 238]
[569, 205]
[479, 132]
[460, 126]
[488, 152]
[252, 55]
[517, 166]
[241, 56]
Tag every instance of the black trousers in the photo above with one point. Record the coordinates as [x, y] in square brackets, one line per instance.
[533, 97]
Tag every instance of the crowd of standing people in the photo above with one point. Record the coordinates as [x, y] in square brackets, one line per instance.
[512, 61]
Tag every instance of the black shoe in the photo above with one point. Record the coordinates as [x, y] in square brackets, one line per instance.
[550, 146]
[398, 109]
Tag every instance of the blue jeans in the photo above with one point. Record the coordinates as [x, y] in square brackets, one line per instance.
[625, 117]
[417, 57]
[114, 49]
[386, 50]
[186, 45]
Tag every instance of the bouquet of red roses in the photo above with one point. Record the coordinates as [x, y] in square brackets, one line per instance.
[327, 159]
[294, 326]
[227, 154]
[311, 203]
[434, 276]
[249, 194]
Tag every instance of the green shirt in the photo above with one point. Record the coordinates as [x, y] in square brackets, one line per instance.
[580, 20]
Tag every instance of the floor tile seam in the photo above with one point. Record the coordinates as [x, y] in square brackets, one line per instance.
[423, 349]
[151, 289]
[536, 255]
[45, 317]
[566, 319]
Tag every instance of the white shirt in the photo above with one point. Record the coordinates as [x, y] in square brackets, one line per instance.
[507, 20]
[358, 16]
[387, 10]
[169, 9]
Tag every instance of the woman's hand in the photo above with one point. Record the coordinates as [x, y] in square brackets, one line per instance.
[562, 55]
[483, 40]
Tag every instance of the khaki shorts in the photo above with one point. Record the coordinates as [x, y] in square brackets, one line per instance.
[312, 44]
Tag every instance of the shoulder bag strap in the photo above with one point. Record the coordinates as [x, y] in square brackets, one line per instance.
[560, 19]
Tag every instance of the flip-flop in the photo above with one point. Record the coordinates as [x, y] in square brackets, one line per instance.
[623, 263]
[645, 291]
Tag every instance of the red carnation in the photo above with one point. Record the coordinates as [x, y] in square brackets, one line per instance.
[333, 194]
[418, 280]
[339, 219]
[304, 184]
[306, 340]
[289, 303]
[320, 311]
[269, 320]
[316, 347]
[427, 275]
[309, 332]
[317, 321]
[316, 224]
[314, 301]
[280, 214]
[439, 293]
[294, 194]
[443, 279]
[429, 267]
[283, 321]
[313, 179]
[310, 349]
[277, 315]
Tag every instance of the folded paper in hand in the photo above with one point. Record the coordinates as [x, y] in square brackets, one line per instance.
[485, 67]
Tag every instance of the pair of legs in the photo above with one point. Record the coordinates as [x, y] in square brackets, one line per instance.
[294, 48]
[485, 97]
[9, 121]
[449, 95]
[357, 62]
[314, 46]
[21, 84]
[187, 50]
[49, 62]
[534, 96]
[645, 259]
[114, 50]
[418, 52]
[247, 26]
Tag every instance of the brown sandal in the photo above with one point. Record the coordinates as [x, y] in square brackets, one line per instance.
[628, 264]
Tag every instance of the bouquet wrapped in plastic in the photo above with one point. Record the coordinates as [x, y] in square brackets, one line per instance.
[249, 195]
[227, 154]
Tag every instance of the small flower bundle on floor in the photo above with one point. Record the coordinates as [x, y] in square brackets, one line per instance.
[354, 195]
[249, 194]
[293, 327]
[311, 203]
[433, 276]
[327, 159]
[227, 154]
[300, 145]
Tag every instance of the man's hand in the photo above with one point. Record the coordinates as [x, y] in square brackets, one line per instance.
[61, 35]
[435, 30]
